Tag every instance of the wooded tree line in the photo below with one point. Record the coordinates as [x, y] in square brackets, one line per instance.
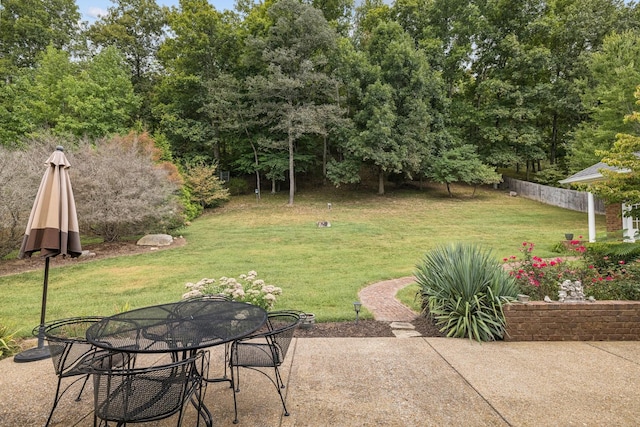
[443, 90]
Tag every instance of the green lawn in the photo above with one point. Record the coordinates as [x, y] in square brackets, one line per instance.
[320, 270]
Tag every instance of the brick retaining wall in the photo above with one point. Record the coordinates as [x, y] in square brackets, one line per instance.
[588, 321]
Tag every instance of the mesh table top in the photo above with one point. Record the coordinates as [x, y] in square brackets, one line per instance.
[179, 326]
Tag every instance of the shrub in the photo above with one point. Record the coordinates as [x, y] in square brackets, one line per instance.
[464, 288]
[616, 271]
[122, 188]
[247, 288]
[607, 271]
[604, 256]
[537, 277]
[238, 186]
[8, 345]
[190, 210]
[21, 170]
[550, 175]
[618, 290]
[204, 185]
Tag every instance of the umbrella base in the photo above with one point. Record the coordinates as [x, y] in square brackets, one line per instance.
[32, 354]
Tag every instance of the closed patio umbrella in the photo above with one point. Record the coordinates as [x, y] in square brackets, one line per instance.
[52, 230]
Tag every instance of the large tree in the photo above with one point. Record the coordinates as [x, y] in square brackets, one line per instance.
[462, 164]
[608, 96]
[27, 27]
[93, 98]
[136, 28]
[336, 12]
[397, 103]
[102, 101]
[510, 68]
[571, 30]
[204, 44]
[622, 184]
[295, 95]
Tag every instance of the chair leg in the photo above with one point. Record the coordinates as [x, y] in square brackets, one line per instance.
[84, 384]
[58, 395]
[279, 386]
[279, 382]
[237, 383]
[233, 386]
[55, 402]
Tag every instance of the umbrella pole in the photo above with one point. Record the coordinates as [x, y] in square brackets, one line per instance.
[43, 310]
[41, 351]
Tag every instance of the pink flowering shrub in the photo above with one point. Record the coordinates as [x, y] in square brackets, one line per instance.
[539, 277]
[616, 270]
[604, 277]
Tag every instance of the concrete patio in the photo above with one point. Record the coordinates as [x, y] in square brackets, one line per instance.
[391, 382]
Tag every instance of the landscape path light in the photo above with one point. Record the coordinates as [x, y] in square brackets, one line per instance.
[356, 307]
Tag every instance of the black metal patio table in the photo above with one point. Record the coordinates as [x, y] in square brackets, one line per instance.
[184, 326]
[179, 328]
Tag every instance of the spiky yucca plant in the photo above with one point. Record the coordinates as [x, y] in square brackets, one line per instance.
[464, 287]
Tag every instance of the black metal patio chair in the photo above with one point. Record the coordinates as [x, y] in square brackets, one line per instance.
[135, 395]
[265, 349]
[73, 355]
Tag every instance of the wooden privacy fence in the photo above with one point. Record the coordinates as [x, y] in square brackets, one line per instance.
[561, 197]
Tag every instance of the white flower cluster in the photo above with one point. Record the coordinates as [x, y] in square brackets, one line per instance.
[197, 289]
[247, 288]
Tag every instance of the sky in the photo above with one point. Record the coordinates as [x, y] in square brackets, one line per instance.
[91, 9]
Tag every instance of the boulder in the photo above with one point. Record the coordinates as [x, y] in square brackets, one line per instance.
[155, 240]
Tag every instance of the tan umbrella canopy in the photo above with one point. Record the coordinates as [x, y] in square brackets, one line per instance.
[52, 230]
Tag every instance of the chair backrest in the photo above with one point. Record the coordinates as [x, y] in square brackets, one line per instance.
[281, 325]
[68, 343]
[146, 394]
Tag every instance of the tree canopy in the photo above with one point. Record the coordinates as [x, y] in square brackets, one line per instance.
[305, 92]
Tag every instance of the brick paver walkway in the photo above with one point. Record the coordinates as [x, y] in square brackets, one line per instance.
[380, 300]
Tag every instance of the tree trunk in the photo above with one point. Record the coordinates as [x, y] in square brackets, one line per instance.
[381, 183]
[324, 159]
[255, 157]
[554, 140]
[292, 175]
[216, 146]
[449, 190]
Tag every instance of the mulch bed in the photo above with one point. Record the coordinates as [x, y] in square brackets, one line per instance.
[97, 251]
[364, 329]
